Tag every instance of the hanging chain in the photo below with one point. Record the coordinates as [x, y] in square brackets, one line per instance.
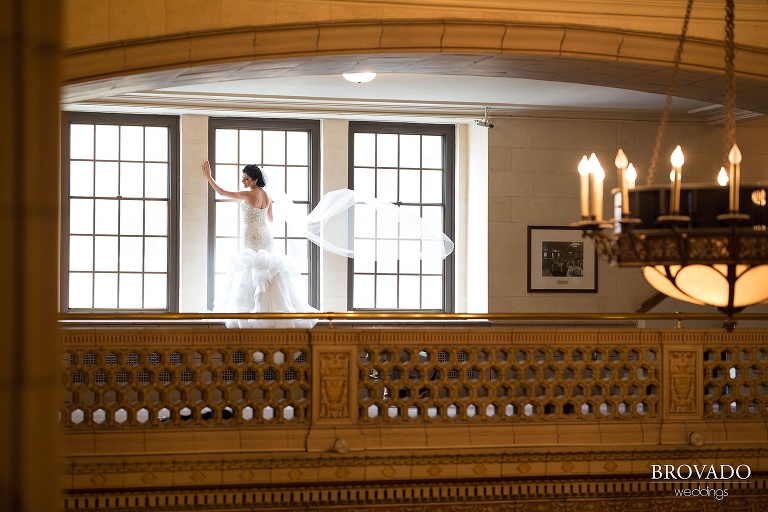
[729, 135]
[670, 92]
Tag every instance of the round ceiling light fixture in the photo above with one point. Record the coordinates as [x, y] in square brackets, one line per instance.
[359, 78]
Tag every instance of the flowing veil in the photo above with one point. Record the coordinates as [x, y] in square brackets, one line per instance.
[341, 223]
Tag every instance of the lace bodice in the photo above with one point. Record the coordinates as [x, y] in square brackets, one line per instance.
[255, 232]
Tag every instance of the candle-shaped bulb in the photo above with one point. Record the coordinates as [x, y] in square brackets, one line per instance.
[584, 179]
[722, 177]
[631, 174]
[593, 163]
[677, 157]
[599, 172]
[621, 159]
[584, 166]
[735, 155]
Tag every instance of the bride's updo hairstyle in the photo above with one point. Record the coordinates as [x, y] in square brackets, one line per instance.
[255, 174]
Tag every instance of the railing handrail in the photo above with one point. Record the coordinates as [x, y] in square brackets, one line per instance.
[367, 315]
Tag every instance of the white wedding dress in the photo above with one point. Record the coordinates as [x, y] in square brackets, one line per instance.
[260, 280]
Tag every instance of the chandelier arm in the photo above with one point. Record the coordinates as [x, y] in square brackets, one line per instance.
[730, 82]
[670, 92]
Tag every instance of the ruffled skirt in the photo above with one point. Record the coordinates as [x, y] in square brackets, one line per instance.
[261, 282]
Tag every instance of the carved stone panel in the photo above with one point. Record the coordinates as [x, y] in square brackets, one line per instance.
[684, 386]
[334, 385]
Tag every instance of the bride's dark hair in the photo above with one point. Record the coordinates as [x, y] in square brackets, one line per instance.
[255, 174]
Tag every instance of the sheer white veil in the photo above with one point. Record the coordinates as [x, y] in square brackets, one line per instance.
[336, 223]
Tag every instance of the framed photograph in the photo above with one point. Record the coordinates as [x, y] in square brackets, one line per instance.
[560, 259]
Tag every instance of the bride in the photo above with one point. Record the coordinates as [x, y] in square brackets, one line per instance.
[259, 279]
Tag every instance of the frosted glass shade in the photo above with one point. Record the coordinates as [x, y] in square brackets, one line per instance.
[705, 284]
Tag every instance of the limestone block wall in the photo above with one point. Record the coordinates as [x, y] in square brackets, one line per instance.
[533, 180]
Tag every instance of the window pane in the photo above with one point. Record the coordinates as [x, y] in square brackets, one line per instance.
[130, 291]
[365, 222]
[278, 225]
[297, 251]
[410, 256]
[365, 255]
[228, 177]
[106, 217]
[226, 218]
[250, 146]
[386, 256]
[105, 253]
[81, 179]
[107, 142]
[298, 148]
[386, 185]
[409, 229]
[226, 147]
[156, 254]
[131, 249]
[433, 216]
[274, 147]
[365, 181]
[105, 291]
[432, 292]
[275, 177]
[410, 151]
[298, 183]
[131, 179]
[156, 143]
[365, 150]
[386, 150]
[80, 290]
[432, 152]
[158, 212]
[131, 143]
[432, 266]
[132, 217]
[157, 180]
[410, 186]
[433, 186]
[363, 292]
[81, 216]
[106, 179]
[294, 228]
[81, 141]
[155, 291]
[81, 253]
[409, 292]
[386, 227]
[225, 248]
[386, 292]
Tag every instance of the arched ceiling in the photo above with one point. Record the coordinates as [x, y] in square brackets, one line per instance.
[431, 69]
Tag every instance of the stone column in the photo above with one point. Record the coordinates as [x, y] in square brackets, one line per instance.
[29, 209]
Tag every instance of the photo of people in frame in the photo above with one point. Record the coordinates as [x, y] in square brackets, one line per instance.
[562, 259]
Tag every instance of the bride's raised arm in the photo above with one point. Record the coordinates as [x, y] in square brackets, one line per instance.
[215, 186]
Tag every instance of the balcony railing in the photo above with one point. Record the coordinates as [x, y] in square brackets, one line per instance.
[149, 409]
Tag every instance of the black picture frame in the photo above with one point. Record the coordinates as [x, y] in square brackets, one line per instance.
[561, 260]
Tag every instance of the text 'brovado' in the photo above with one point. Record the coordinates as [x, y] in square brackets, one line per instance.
[723, 472]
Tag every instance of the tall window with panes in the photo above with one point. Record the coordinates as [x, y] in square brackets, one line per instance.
[119, 212]
[288, 154]
[412, 166]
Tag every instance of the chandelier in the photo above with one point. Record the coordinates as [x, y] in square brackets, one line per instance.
[686, 250]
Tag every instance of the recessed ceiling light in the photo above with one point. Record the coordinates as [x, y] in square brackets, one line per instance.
[360, 78]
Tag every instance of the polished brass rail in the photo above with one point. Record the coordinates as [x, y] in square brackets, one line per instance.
[425, 316]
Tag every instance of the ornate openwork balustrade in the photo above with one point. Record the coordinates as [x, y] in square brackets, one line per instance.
[167, 418]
